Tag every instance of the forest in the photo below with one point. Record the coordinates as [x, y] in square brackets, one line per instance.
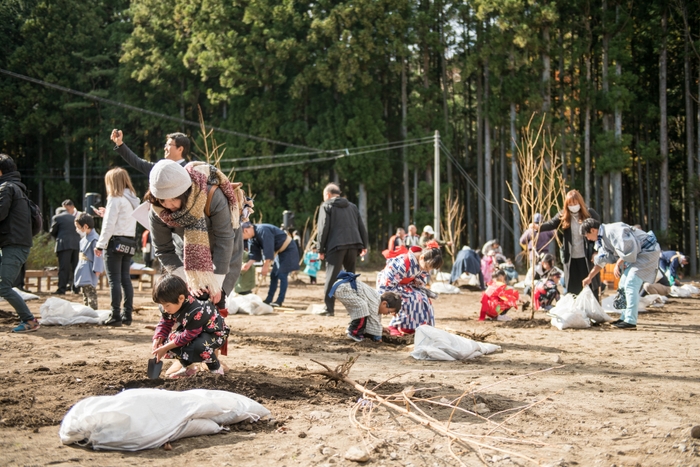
[311, 91]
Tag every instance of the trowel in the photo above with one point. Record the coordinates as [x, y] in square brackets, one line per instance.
[154, 368]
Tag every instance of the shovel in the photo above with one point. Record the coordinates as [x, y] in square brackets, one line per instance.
[154, 368]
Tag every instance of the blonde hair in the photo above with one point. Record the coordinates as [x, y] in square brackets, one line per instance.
[116, 181]
[573, 197]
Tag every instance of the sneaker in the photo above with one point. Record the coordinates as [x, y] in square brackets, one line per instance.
[355, 338]
[274, 304]
[626, 326]
[613, 323]
[503, 318]
[114, 322]
[57, 292]
[327, 313]
[322, 312]
[27, 326]
[184, 372]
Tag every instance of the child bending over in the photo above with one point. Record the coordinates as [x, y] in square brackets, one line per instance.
[199, 328]
[546, 291]
[89, 266]
[498, 298]
[365, 306]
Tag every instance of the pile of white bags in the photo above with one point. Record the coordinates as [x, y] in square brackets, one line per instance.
[577, 312]
[25, 296]
[138, 419]
[59, 312]
[249, 304]
[444, 287]
[435, 344]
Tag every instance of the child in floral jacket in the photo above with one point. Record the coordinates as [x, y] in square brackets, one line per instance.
[199, 328]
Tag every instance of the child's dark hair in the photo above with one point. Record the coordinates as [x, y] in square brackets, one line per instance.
[499, 273]
[168, 289]
[392, 299]
[432, 258]
[588, 225]
[84, 219]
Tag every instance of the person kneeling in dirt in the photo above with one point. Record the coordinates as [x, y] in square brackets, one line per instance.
[547, 291]
[498, 298]
[200, 328]
[365, 306]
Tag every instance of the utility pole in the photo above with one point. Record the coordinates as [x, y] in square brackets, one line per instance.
[436, 187]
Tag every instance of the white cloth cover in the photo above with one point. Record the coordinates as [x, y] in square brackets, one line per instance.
[59, 312]
[25, 296]
[444, 287]
[249, 304]
[138, 419]
[436, 344]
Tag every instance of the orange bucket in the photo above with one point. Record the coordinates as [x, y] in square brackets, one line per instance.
[607, 275]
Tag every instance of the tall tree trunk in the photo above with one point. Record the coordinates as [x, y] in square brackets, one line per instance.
[404, 136]
[562, 115]
[606, 115]
[616, 175]
[502, 184]
[443, 76]
[690, 157]
[640, 184]
[587, 122]
[390, 209]
[480, 155]
[546, 71]
[697, 214]
[664, 204]
[362, 202]
[515, 180]
[40, 201]
[487, 158]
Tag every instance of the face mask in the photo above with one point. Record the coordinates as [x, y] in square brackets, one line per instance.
[574, 208]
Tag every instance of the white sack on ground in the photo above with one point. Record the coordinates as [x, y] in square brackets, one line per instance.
[138, 419]
[25, 296]
[442, 277]
[435, 344]
[566, 315]
[231, 303]
[587, 302]
[59, 312]
[250, 304]
[685, 291]
[444, 287]
[652, 301]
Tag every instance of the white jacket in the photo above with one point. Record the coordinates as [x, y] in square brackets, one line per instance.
[118, 220]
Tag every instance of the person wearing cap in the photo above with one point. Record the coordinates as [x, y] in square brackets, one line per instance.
[195, 223]
[670, 262]
[177, 149]
[535, 243]
[67, 246]
[275, 247]
[427, 235]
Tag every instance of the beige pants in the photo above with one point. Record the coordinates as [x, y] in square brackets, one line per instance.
[657, 289]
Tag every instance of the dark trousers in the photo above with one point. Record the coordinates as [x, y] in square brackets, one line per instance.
[67, 262]
[578, 271]
[277, 277]
[336, 261]
[117, 266]
[11, 260]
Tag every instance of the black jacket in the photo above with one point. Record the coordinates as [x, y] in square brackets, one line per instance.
[15, 216]
[136, 162]
[63, 230]
[340, 226]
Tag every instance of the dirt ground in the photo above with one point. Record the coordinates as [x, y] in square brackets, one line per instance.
[598, 397]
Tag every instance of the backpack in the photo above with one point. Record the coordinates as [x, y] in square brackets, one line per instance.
[34, 213]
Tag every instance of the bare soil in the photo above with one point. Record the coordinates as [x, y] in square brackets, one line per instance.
[598, 396]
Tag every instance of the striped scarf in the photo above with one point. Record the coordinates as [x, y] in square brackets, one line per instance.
[199, 267]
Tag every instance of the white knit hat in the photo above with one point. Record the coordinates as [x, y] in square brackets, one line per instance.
[168, 179]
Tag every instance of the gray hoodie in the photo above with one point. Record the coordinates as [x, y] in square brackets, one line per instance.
[118, 220]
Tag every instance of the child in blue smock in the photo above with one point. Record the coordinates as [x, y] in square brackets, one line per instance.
[89, 266]
[312, 260]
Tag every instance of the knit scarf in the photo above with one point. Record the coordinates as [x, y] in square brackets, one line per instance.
[199, 267]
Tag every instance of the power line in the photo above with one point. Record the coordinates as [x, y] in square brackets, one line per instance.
[476, 187]
[345, 150]
[157, 114]
[289, 164]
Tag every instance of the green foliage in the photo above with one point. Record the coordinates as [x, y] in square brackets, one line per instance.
[42, 253]
[613, 155]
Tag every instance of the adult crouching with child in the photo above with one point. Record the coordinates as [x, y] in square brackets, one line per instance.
[118, 243]
[195, 223]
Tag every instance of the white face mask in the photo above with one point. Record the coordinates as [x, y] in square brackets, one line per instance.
[574, 208]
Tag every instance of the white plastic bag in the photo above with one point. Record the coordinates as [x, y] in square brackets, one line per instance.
[59, 312]
[436, 344]
[148, 418]
[587, 302]
[652, 301]
[25, 296]
[231, 303]
[251, 304]
[442, 277]
[566, 315]
[444, 287]
[685, 291]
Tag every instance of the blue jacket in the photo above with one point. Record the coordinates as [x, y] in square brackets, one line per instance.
[89, 264]
[669, 263]
[267, 240]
